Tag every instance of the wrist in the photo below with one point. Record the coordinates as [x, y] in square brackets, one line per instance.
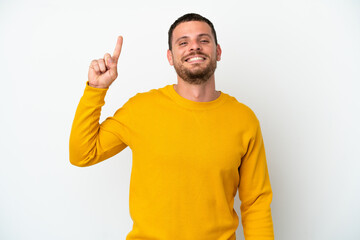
[97, 86]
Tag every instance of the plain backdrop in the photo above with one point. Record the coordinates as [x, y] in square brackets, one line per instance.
[295, 63]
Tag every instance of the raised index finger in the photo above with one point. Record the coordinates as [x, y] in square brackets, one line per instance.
[117, 50]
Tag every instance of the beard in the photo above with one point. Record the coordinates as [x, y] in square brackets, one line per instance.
[198, 75]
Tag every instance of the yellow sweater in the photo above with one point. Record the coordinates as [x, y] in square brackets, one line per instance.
[189, 159]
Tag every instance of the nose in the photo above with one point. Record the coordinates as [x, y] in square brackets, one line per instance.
[195, 46]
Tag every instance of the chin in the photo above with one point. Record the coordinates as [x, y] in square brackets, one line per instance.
[196, 74]
[196, 80]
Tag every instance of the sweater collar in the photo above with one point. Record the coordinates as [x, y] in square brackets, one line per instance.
[193, 104]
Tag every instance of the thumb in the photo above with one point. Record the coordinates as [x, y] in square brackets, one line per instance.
[113, 72]
[109, 61]
[112, 63]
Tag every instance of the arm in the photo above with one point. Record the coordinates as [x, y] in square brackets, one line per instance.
[255, 191]
[90, 142]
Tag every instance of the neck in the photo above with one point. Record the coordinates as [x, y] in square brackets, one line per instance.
[204, 92]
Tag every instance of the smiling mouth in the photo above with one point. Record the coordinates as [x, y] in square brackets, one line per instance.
[195, 59]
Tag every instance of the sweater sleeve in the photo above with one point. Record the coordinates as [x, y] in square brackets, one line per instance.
[255, 191]
[91, 142]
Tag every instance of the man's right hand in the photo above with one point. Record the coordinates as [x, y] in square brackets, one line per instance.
[103, 72]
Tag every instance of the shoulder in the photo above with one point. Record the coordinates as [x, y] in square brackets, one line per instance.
[240, 110]
[147, 100]
[149, 95]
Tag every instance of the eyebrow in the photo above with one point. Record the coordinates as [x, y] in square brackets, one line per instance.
[200, 35]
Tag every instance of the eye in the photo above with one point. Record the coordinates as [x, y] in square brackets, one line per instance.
[182, 43]
[204, 41]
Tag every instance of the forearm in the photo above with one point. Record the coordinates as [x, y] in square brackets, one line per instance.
[88, 143]
[255, 192]
[256, 215]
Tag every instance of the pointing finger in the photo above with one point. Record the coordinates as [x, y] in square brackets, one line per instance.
[118, 47]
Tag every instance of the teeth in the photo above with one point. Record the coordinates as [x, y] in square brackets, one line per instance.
[195, 59]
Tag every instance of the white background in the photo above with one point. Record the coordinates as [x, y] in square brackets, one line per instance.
[295, 63]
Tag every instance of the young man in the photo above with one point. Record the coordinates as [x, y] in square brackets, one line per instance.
[193, 147]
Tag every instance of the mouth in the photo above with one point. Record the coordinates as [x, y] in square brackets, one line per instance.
[195, 59]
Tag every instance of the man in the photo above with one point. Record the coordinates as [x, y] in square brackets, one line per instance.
[193, 147]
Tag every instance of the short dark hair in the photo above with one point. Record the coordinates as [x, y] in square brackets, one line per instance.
[187, 18]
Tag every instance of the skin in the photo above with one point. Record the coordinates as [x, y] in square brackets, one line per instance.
[194, 38]
[190, 39]
[103, 72]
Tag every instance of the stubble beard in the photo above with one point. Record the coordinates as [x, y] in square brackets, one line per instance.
[196, 76]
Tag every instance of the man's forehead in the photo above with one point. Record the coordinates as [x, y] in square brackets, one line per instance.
[192, 27]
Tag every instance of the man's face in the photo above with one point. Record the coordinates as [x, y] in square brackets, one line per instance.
[194, 52]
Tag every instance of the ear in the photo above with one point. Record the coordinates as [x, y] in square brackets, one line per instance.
[170, 57]
[218, 52]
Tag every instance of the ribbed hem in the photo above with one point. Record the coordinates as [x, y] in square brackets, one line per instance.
[94, 94]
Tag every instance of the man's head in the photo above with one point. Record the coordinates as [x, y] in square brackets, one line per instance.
[193, 48]
[188, 18]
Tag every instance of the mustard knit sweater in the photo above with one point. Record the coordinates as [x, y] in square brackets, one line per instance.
[189, 160]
